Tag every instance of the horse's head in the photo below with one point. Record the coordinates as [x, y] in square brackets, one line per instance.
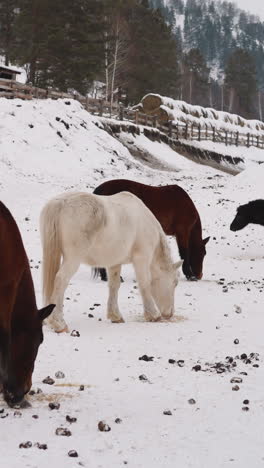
[163, 288]
[241, 219]
[23, 351]
[198, 253]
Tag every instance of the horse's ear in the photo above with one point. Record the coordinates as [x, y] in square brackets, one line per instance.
[46, 311]
[178, 264]
[206, 240]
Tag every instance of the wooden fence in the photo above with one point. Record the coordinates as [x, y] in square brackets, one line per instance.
[176, 131]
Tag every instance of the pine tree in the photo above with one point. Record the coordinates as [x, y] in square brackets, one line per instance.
[195, 78]
[240, 79]
[7, 19]
[61, 42]
[153, 57]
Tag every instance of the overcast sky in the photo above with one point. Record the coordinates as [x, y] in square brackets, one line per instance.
[253, 6]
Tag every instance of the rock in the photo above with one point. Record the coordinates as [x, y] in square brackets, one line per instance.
[146, 358]
[235, 388]
[191, 401]
[48, 380]
[245, 408]
[171, 361]
[73, 453]
[246, 402]
[103, 427]
[59, 375]
[41, 446]
[81, 388]
[54, 405]
[236, 380]
[197, 367]
[118, 421]
[71, 419]
[17, 414]
[63, 431]
[75, 333]
[167, 412]
[236, 341]
[143, 378]
[27, 444]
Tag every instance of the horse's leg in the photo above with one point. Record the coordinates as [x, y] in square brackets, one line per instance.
[143, 274]
[7, 300]
[182, 239]
[65, 273]
[113, 312]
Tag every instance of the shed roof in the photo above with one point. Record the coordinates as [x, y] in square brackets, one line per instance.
[8, 69]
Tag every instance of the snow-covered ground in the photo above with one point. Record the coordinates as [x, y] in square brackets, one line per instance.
[49, 147]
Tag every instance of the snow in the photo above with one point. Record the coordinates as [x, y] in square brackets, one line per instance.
[41, 157]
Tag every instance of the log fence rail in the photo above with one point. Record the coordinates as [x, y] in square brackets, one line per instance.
[177, 131]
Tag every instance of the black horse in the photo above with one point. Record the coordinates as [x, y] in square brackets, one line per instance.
[252, 212]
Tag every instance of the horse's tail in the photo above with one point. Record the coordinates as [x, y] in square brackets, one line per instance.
[51, 246]
[99, 272]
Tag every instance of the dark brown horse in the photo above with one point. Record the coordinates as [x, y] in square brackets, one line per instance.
[20, 320]
[177, 215]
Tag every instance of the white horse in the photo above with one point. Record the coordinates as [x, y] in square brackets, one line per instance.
[106, 231]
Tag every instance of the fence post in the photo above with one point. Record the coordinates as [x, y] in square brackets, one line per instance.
[206, 132]
[226, 137]
[237, 138]
[101, 107]
[154, 121]
[177, 131]
[199, 132]
[248, 140]
[186, 131]
[213, 133]
[170, 128]
[136, 117]
[257, 141]
[121, 112]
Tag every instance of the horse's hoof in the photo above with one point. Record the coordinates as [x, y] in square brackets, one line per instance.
[149, 318]
[157, 319]
[121, 320]
[192, 278]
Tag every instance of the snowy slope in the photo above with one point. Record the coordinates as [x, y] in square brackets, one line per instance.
[41, 156]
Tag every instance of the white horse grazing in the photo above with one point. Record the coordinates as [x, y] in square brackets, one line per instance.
[106, 231]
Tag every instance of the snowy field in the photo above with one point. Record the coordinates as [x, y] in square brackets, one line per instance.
[50, 147]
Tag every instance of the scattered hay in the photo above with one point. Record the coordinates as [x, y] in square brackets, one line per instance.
[64, 384]
[52, 397]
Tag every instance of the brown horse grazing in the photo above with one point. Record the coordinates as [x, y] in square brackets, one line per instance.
[20, 320]
[177, 215]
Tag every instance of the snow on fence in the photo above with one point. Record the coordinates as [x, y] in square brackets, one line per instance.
[176, 131]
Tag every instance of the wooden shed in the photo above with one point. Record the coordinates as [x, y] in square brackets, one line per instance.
[8, 73]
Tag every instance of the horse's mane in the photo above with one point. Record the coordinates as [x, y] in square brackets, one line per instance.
[164, 252]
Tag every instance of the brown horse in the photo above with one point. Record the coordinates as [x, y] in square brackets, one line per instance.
[177, 215]
[20, 320]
